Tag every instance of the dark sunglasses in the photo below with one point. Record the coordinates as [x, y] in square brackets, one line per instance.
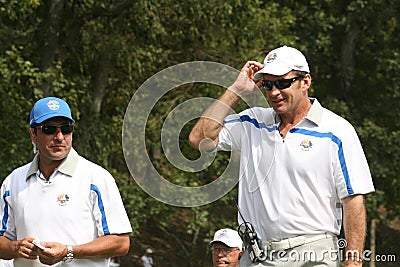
[51, 129]
[280, 84]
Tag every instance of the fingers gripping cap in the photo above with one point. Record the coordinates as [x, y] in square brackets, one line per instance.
[47, 108]
[229, 237]
[282, 60]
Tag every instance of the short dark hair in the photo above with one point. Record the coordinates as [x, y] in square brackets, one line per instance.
[300, 73]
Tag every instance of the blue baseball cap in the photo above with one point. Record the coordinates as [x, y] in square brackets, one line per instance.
[47, 108]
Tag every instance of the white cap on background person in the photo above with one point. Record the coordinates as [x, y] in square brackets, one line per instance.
[149, 250]
[229, 237]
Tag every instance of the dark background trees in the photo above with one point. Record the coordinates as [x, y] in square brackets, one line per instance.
[95, 54]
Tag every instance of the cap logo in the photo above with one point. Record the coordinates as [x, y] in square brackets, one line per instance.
[298, 66]
[53, 105]
[271, 57]
[224, 233]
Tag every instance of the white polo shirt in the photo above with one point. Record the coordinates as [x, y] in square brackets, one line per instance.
[294, 186]
[78, 204]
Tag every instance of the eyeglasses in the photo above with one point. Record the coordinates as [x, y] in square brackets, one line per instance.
[223, 251]
[280, 84]
[51, 129]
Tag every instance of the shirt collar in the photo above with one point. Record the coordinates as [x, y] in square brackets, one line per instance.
[67, 166]
[314, 114]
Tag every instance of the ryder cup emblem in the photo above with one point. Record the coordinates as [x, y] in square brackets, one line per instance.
[271, 57]
[62, 199]
[223, 234]
[306, 145]
[53, 105]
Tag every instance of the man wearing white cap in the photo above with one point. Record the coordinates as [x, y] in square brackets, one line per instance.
[226, 248]
[60, 209]
[147, 260]
[303, 172]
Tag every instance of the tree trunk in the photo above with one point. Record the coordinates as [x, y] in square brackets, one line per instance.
[347, 60]
[49, 33]
[98, 90]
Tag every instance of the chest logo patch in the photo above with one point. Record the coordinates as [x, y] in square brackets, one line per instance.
[62, 199]
[306, 145]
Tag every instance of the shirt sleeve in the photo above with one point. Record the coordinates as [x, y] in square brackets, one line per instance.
[229, 137]
[109, 211]
[6, 212]
[352, 172]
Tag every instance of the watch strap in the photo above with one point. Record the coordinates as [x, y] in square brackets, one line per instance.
[70, 255]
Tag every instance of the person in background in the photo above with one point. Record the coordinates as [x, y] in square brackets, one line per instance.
[115, 262]
[60, 208]
[6, 263]
[303, 173]
[226, 248]
[146, 260]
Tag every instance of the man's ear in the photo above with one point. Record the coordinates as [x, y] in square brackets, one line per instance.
[240, 255]
[307, 81]
[33, 134]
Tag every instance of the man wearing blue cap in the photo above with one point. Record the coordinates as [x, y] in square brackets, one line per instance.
[60, 208]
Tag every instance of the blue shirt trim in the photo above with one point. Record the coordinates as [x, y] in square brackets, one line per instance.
[258, 125]
[330, 135]
[101, 207]
[5, 217]
[338, 142]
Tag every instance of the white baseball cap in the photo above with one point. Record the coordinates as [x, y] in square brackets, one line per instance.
[229, 237]
[282, 60]
[149, 250]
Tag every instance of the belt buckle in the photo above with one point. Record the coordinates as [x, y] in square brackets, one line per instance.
[270, 244]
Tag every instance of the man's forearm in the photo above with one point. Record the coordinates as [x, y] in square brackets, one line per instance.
[105, 246]
[8, 248]
[204, 135]
[354, 228]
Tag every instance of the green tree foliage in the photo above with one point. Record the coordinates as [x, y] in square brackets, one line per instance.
[95, 54]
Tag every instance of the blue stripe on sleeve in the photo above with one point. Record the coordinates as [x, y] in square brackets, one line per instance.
[338, 142]
[5, 216]
[253, 121]
[101, 207]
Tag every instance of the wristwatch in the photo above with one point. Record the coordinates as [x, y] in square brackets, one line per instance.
[70, 255]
